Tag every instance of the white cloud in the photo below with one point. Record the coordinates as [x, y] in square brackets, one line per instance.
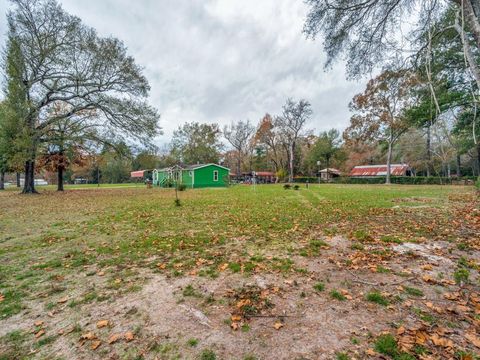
[221, 60]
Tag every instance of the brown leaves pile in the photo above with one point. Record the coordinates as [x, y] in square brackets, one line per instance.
[95, 342]
[250, 301]
[422, 335]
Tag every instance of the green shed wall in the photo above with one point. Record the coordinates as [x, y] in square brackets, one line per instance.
[159, 177]
[203, 177]
[187, 178]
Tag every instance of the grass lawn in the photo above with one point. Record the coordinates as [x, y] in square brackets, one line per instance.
[121, 272]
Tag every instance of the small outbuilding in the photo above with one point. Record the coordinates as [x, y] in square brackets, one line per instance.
[192, 176]
[329, 173]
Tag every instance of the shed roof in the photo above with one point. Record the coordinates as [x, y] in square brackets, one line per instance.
[137, 174]
[379, 170]
[191, 167]
[331, 171]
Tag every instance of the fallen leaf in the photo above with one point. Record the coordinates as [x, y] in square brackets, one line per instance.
[429, 279]
[2, 297]
[370, 352]
[439, 341]
[236, 318]
[95, 344]
[38, 323]
[278, 325]
[223, 267]
[114, 338]
[63, 300]
[129, 336]
[400, 330]
[39, 333]
[102, 323]
[475, 340]
[88, 336]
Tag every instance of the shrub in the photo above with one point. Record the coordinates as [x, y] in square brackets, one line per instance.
[337, 295]
[387, 345]
[281, 174]
[181, 187]
[407, 180]
[377, 298]
[296, 187]
[461, 276]
[413, 291]
[287, 186]
[208, 355]
[319, 286]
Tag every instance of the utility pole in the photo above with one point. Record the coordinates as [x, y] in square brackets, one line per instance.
[318, 165]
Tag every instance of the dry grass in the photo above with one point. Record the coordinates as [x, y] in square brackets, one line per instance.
[70, 259]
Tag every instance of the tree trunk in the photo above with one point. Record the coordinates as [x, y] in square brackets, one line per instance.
[458, 166]
[472, 18]
[18, 180]
[239, 165]
[60, 178]
[2, 180]
[389, 161]
[429, 145]
[29, 184]
[290, 163]
[467, 49]
[478, 158]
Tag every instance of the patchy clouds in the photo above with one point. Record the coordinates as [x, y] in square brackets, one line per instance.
[222, 60]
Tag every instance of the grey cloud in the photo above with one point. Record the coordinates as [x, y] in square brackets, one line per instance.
[221, 60]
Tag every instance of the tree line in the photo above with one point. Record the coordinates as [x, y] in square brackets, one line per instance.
[67, 90]
[76, 102]
[423, 104]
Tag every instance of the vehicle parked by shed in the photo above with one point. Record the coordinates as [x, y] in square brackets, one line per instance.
[192, 176]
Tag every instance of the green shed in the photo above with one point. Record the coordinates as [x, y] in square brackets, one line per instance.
[193, 176]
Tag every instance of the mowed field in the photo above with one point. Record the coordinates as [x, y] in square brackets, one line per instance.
[328, 272]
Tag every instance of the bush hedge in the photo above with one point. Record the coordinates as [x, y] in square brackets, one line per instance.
[407, 180]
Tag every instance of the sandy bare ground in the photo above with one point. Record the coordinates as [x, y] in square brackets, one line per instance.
[299, 322]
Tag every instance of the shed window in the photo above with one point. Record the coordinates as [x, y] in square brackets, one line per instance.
[215, 175]
[190, 173]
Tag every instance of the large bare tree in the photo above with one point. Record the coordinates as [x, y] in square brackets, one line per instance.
[239, 135]
[368, 32]
[291, 124]
[379, 112]
[65, 62]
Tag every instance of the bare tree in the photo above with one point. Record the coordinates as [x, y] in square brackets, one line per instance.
[380, 111]
[367, 32]
[291, 124]
[267, 134]
[239, 134]
[65, 62]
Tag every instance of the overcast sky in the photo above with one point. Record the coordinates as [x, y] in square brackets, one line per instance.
[221, 60]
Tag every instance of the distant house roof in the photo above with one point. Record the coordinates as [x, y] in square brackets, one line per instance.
[137, 174]
[331, 171]
[379, 170]
[264, 173]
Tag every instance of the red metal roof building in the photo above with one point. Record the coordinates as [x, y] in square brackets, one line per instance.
[137, 174]
[381, 170]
